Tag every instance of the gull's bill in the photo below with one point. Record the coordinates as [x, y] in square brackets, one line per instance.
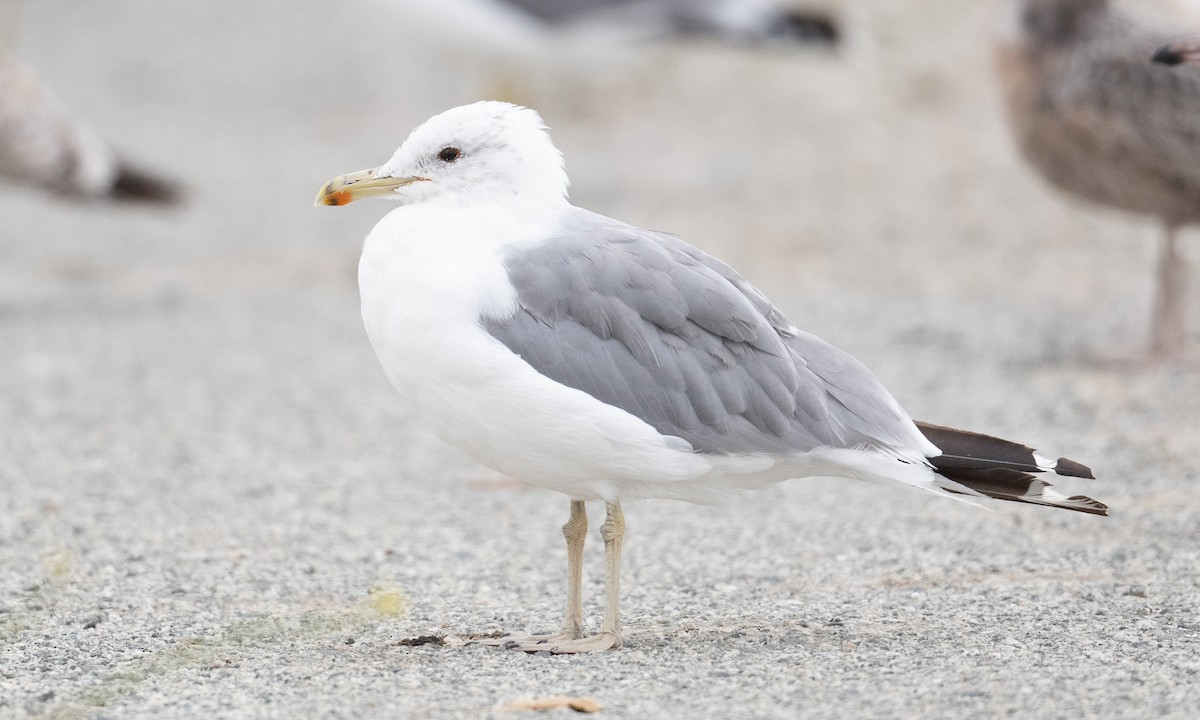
[345, 189]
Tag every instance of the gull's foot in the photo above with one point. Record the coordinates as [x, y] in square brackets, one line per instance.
[556, 643]
[505, 641]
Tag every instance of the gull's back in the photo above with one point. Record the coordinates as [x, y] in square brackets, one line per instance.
[647, 323]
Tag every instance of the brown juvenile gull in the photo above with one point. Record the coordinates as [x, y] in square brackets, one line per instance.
[607, 362]
[43, 144]
[1100, 122]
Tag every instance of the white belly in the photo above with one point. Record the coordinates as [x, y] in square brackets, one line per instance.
[422, 299]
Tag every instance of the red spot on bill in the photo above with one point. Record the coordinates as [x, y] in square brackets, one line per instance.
[338, 197]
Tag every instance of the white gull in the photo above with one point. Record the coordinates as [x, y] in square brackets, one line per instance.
[583, 355]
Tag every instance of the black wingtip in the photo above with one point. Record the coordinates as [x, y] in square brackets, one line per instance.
[1184, 51]
[1004, 470]
[1070, 468]
[811, 27]
[1085, 504]
[136, 186]
[1167, 55]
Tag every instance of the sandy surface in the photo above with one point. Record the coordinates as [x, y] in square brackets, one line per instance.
[212, 505]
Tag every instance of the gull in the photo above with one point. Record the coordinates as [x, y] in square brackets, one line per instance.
[43, 144]
[518, 24]
[611, 363]
[1101, 123]
[738, 21]
[579, 46]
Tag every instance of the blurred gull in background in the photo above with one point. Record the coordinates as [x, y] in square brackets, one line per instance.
[518, 41]
[1098, 120]
[736, 21]
[43, 144]
[519, 22]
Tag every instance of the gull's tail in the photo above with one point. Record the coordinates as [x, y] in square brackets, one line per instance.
[1005, 470]
[755, 23]
[806, 26]
[135, 185]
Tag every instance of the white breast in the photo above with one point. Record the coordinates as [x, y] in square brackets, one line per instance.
[423, 294]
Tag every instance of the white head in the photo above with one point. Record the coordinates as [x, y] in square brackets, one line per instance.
[485, 153]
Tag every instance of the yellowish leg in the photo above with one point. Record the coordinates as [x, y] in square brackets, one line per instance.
[613, 531]
[570, 640]
[575, 532]
[609, 637]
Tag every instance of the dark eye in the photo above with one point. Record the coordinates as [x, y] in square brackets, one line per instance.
[449, 154]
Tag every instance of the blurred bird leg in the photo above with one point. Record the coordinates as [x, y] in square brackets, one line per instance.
[1168, 331]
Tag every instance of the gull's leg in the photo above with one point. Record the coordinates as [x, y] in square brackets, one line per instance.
[575, 532]
[1168, 330]
[613, 530]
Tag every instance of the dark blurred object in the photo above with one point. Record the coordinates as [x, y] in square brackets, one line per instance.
[1179, 52]
[41, 143]
[739, 21]
[1102, 123]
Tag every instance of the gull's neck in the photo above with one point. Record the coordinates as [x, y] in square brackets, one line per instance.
[450, 228]
[521, 208]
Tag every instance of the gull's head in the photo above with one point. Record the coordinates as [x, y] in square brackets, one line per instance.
[488, 152]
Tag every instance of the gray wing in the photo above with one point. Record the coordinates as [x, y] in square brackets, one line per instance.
[651, 325]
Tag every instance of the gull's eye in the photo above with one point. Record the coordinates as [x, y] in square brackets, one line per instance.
[449, 154]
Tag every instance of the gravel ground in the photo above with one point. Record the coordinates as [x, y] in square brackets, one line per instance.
[212, 505]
